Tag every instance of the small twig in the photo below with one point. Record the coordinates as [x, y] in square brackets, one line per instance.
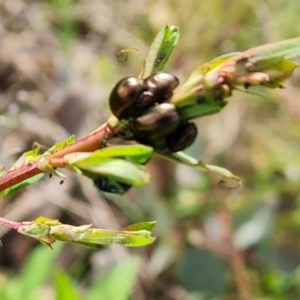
[240, 275]
[235, 259]
[9, 223]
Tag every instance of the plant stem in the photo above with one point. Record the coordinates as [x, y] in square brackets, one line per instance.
[88, 143]
[8, 223]
[236, 261]
[241, 277]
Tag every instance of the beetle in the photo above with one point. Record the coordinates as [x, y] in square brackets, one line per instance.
[159, 87]
[131, 95]
[124, 96]
[104, 184]
[183, 137]
[157, 122]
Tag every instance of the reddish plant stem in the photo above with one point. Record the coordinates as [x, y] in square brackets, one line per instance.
[235, 259]
[88, 143]
[8, 223]
[18, 175]
[229, 250]
[240, 275]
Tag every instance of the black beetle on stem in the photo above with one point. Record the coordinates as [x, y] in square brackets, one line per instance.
[131, 96]
[124, 96]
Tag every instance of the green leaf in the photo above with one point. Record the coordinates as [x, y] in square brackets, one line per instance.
[214, 63]
[130, 238]
[254, 229]
[140, 226]
[64, 288]
[280, 72]
[228, 179]
[118, 283]
[11, 290]
[90, 237]
[15, 188]
[27, 157]
[60, 145]
[137, 153]
[266, 56]
[161, 49]
[117, 169]
[200, 110]
[47, 231]
[201, 270]
[37, 269]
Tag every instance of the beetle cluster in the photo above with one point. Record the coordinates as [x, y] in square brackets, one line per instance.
[153, 120]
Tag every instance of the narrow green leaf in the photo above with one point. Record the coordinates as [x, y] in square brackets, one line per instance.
[200, 110]
[37, 269]
[64, 288]
[21, 185]
[139, 239]
[228, 179]
[87, 236]
[140, 226]
[117, 169]
[12, 290]
[264, 56]
[60, 145]
[138, 153]
[27, 157]
[118, 283]
[161, 49]
[127, 238]
[214, 63]
[280, 72]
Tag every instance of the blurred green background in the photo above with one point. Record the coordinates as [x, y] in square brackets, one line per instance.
[57, 66]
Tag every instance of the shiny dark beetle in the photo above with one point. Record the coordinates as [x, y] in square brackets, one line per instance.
[108, 186]
[183, 137]
[124, 96]
[159, 88]
[131, 96]
[159, 121]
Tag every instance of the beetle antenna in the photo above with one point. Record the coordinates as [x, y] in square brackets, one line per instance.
[122, 55]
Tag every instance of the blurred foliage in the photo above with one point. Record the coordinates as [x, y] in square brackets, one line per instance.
[38, 269]
[57, 66]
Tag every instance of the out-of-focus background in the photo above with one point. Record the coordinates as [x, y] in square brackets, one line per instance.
[57, 66]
